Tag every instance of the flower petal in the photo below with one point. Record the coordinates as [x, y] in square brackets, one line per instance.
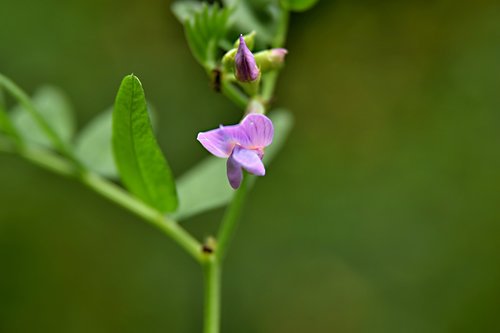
[217, 142]
[234, 172]
[244, 61]
[259, 130]
[248, 160]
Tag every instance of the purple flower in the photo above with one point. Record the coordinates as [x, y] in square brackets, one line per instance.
[246, 68]
[243, 145]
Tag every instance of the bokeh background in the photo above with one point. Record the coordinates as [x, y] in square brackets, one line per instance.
[382, 214]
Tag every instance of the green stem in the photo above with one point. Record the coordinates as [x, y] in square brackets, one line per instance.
[230, 220]
[234, 94]
[268, 85]
[25, 101]
[212, 273]
[280, 39]
[117, 195]
[168, 226]
[212, 281]
[270, 79]
[8, 128]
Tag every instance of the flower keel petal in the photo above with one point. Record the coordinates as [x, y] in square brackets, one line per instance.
[234, 173]
[248, 160]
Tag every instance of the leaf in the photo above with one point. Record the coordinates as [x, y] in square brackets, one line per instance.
[140, 162]
[298, 5]
[248, 15]
[184, 10]
[93, 144]
[7, 127]
[54, 107]
[205, 186]
[205, 28]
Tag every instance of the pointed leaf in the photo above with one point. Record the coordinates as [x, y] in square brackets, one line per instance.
[205, 186]
[206, 27]
[185, 10]
[7, 127]
[250, 16]
[141, 164]
[93, 144]
[54, 107]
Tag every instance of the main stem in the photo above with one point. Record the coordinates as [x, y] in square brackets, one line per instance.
[213, 266]
[212, 277]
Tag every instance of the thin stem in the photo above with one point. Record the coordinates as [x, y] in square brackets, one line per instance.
[268, 85]
[280, 39]
[25, 101]
[7, 127]
[230, 220]
[235, 95]
[117, 195]
[168, 226]
[212, 282]
[270, 79]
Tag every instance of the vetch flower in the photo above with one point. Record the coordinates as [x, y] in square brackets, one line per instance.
[245, 67]
[243, 145]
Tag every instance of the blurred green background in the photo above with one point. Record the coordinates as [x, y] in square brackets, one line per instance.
[382, 214]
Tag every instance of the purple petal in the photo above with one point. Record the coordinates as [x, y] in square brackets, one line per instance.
[246, 68]
[248, 160]
[236, 134]
[278, 55]
[234, 173]
[217, 142]
[259, 130]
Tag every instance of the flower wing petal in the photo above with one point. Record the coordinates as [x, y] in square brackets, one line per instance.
[217, 142]
[259, 129]
[248, 160]
[234, 173]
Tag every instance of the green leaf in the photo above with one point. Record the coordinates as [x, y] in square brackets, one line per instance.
[54, 107]
[140, 162]
[206, 27]
[93, 144]
[42, 124]
[252, 16]
[298, 5]
[185, 10]
[205, 186]
[6, 125]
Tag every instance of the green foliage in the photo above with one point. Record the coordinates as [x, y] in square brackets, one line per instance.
[185, 10]
[261, 17]
[140, 162]
[93, 145]
[47, 120]
[205, 186]
[54, 108]
[298, 5]
[7, 127]
[206, 27]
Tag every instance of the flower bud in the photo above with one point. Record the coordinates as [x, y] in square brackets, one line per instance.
[228, 59]
[270, 59]
[249, 40]
[246, 69]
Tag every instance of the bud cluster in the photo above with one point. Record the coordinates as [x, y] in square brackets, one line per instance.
[248, 66]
